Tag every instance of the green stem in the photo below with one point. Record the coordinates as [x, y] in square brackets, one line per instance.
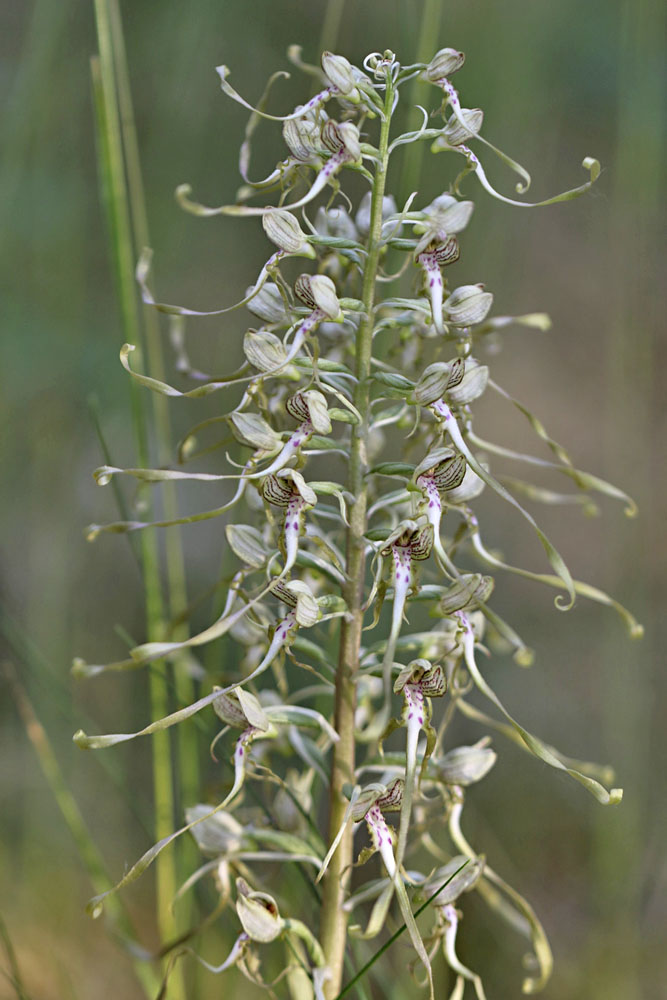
[333, 931]
[124, 199]
[175, 564]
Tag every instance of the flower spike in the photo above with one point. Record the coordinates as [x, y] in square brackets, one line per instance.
[355, 420]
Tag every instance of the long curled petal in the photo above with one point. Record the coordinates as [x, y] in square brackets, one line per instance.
[553, 555]
[324, 176]
[143, 270]
[589, 163]
[223, 73]
[535, 745]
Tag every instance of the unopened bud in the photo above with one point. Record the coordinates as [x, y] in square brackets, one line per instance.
[263, 350]
[341, 74]
[252, 429]
[247, 544]
[268, 303]
[467, 305]
[444, 63]
[302, 137]
[283, 229]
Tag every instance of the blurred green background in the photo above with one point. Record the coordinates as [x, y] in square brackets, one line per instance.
[557, 81]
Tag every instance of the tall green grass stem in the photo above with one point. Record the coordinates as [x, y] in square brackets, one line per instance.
[188, 758]
[126, 209]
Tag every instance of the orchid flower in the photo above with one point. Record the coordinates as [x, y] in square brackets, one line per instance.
[407, 543]
[314, 388]
[432, 259]
[370, 806]
[418, 682]
[442, 470]
[289, 490]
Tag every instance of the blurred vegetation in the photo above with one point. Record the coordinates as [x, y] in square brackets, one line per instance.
[557, 82]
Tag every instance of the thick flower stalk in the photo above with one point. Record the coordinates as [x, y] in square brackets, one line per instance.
[359, 579]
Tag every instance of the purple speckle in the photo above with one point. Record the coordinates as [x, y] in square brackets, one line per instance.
[410, 715]
[421, 720]
[431, 283]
